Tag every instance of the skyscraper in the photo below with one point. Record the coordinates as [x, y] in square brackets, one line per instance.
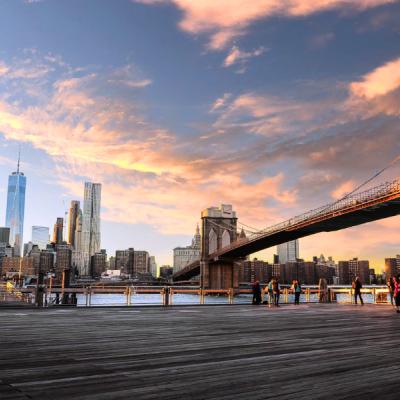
[4, 235]
[40, 236]
[58, 231]
[16, 208]
[90, 242]
[72, 222]
[288, 252]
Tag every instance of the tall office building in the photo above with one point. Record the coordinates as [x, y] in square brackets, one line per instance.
[72, 222]
[4, 235]
[58, 231]
[185, 255]
[288, 252]
[16, 208]
[40, 236]
[90, 242]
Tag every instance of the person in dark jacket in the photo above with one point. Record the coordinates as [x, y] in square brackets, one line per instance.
[276, 290]
[256, 293]
[391, 283]
[357, 290]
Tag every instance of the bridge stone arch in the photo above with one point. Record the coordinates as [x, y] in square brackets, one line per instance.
[219, 229]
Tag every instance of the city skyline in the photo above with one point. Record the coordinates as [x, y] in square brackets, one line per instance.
[275, 111]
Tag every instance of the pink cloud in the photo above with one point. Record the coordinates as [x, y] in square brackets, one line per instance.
[379, 82]
[224, 20]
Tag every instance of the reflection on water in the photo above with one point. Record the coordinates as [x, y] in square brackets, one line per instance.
[100, 299]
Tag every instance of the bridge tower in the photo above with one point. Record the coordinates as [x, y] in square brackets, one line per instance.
[218, 230]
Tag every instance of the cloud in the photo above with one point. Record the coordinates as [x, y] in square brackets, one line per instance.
[237, 56]
[343, 189]
[379, 82]
[147, 171]
[223, 20]
[220, 102]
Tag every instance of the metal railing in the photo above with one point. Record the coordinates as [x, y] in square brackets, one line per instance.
[92, 296]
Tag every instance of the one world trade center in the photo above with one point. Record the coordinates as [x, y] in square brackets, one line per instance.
[16, 209]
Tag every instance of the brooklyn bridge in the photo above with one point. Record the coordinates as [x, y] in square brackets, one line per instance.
[223, 247]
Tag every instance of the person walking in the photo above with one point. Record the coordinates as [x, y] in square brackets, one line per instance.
[357, 286]
[296, 287]
[391, 283]
[256, 293]
[397, 293]
[276, 290]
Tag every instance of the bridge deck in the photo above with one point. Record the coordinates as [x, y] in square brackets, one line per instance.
[236, 352]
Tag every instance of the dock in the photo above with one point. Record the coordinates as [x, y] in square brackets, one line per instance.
[311, 351]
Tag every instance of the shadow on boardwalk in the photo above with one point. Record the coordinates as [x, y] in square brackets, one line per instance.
[243, 352]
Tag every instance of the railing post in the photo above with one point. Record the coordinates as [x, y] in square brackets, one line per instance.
[90, 296]
[166, 296]
[202, 300]
[171, 296]
[308, 295]
[128, 296]
[86, 297]
[285, 295]
[374, 292]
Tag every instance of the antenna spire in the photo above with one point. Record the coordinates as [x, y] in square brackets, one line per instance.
[19, 158]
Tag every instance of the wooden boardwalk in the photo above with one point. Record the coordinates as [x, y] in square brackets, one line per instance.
[226, 352]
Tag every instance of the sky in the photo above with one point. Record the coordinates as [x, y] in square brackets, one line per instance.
[276, 107]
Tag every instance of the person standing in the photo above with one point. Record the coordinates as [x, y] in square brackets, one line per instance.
[276, 289]
[397, 293]
[323, 290]
[256, 293]
[391, 283]
[357, 286]
[271, 292]
[296, 287]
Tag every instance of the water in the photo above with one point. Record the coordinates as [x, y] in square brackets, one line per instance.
[100, 299]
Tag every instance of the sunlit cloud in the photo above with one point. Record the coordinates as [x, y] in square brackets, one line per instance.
[223, 20]
[237, 56]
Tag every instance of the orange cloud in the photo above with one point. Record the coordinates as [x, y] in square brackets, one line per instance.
[227, 19]
[343, 189]
[379, 82]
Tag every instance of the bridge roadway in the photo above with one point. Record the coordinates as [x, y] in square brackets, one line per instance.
[372, 205]
[227, 352]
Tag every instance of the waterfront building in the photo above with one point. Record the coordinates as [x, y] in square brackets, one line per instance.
[16, 208]
[153, 266]
[4, 236]
[90, 241]
[343, 273]
[288, 252]
[255, 270]
[40, 236]
[125, 260]
[186, 255]
[141, 262]
[166, 272]
[46, 263]
[359, 268]
[27, 248]
[391, 267]
[58, 231]
[63, 260]
[111, 263]
[99, 263]
[73, 222]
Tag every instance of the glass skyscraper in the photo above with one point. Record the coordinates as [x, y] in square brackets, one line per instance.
[288, 252]
[16, 209]
[90, 240]
[40, 236]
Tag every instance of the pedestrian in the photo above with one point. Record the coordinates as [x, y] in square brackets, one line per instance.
[296, 287]
[322, 288]
[256, 293]
[397, 293]
[357, 286]
[271, 292]
[391, 283]
[276, 290]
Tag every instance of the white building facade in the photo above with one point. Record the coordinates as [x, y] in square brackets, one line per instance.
[288, 252]
[185, 255]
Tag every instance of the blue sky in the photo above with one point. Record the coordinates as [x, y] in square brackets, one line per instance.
[274, 106]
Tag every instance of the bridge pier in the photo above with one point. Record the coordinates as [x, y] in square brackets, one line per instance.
[222, 274]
